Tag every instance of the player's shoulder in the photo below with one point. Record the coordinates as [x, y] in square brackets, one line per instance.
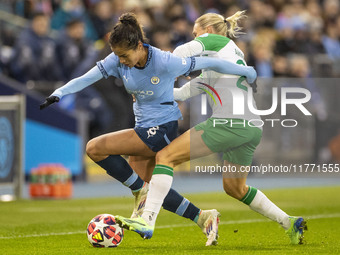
[110, 65]
[158, 53]
[162, 57]
[165, 61]
[112, 58]
[112, 55]
[208, 36]
[213, 42]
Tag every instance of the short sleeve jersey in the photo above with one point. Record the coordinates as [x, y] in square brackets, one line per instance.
[151, 85]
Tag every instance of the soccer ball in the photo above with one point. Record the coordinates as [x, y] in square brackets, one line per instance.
[103, 231]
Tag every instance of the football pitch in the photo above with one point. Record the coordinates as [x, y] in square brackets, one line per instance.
[59, 226]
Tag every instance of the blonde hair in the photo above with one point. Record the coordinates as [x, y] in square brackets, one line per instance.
[222, 26]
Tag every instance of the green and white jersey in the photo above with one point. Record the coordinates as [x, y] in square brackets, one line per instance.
[227, 94]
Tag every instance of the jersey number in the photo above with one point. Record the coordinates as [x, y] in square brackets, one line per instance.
[242, 78]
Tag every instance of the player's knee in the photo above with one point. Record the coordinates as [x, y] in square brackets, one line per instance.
[160, 156]
[234, 189]
[163, 157]
[91, 149]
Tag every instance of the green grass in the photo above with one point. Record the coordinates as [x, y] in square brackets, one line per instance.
[46, 221]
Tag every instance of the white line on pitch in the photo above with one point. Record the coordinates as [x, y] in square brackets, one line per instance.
[311, 217]
[41, 235]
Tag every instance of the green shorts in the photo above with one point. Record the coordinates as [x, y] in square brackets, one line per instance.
[237, 141]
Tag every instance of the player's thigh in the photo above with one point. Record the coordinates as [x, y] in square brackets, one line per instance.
[176, 152]
[185, 147]
[124, 142]
[143, 166]
[198, 147]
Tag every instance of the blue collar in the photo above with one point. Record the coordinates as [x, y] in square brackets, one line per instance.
[149, 56]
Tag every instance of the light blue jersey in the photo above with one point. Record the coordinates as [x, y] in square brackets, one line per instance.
[152, 85]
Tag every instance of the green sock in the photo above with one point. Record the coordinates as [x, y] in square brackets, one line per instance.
[249, 196]
[163, 169]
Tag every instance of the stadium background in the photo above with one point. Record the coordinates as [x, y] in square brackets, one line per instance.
[295, 39]
[292, 39]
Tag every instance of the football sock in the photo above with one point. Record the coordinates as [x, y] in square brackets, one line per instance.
[160, 185]
[117, 167]
[258, 202]
[176, 203]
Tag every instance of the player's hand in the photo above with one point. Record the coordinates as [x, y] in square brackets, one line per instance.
[252, 75]
[49, 100]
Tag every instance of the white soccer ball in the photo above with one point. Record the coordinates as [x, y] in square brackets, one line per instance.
[103, 231]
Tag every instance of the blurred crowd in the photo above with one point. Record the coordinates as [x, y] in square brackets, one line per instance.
[62, 39]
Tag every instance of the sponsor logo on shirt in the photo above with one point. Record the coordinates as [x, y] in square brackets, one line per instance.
[141, 93]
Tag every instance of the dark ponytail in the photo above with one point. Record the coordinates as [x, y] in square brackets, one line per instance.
[127, 32]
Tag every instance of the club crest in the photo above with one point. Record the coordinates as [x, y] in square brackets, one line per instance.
[154, 80]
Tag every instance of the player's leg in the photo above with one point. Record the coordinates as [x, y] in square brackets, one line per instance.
[237, 158]
[128, 142]
[106, 149]
[157, 138]
[173, 202]
[124, 142]
[143, 166]
[234, 184]
[175, 153]
[186, 147]
[189, 145]
[244, 142]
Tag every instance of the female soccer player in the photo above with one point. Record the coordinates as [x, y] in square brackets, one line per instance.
[224, 132]
[149, 74]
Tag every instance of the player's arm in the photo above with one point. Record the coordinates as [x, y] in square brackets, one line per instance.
[189, 89]
[224, 66]
[195, 48]
[192, 88]
[73, 86]
[183, 66]
[190, 49]
[105, 68]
